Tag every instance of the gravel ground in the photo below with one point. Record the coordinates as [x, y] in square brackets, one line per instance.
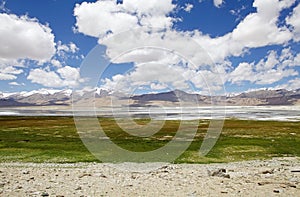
[276, 177]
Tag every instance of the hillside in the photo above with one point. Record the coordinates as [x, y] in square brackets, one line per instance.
[171, 98]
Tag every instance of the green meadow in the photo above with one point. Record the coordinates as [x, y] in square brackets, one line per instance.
[55, 139]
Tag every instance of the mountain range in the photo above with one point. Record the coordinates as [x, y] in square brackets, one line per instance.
[172, 98]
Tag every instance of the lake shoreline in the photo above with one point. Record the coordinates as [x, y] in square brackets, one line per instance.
[264, 113]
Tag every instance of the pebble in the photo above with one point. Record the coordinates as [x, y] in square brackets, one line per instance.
[45, 194]
[85, 174]
[78, 188]
[25, 172]
[276, 191]
[268, 171]
[220, 173]
[177, 180]
[294, 179]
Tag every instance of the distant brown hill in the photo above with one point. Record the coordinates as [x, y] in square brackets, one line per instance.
[171, 98]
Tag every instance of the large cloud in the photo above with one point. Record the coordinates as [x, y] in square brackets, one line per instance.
[267, 71]
[9, 69]
[64, 77]
[292, 84]
[22, 37]
[258, 29]
[294, 20]
[261, 28]
[103, 17]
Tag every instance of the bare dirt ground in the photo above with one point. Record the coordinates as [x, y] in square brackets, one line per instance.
[276, 177]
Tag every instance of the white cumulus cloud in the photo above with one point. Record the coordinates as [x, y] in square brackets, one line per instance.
[268, 70]
[23, 37]
[100, 18]
[261, 29]
[64, 77]
[294, 20]
[258, 29]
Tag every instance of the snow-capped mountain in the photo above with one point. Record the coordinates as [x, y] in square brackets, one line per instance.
[100, 97]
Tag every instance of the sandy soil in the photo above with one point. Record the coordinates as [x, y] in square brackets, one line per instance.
[276, 177]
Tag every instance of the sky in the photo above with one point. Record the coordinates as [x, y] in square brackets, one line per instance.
[139, 46]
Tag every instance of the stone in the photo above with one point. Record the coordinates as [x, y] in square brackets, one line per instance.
[79, 188]
[295, 170]
[268, 171]
[220, 173]
[85, 174]
[25, 172]
[44, 194]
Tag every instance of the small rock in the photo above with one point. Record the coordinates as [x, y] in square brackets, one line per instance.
[268, 171]
[2, 184]
[295, 170]
[103, 176]
[164, 167]
[44, 194]
[264, 183]
[291, 185]
[100, 175]
[78, 188]
[25, 172]
[226, 176]
[34, 193]
[85, 174]
[220, 173]
[294, 179]
[192, 194]
[133, 176]
[276, 191]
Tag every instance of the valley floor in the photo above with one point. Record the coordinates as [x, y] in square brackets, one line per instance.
[277, 176]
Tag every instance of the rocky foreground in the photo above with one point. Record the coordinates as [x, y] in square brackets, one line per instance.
[279, 176]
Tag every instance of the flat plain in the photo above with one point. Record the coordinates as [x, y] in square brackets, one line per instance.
[55, 140]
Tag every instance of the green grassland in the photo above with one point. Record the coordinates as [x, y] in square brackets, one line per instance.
[55, 139]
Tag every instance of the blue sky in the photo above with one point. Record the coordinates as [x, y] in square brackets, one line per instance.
[198, 46]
